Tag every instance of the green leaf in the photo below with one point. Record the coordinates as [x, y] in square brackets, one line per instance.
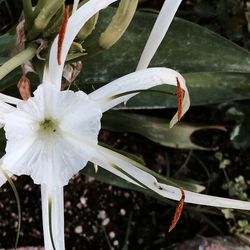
[155, 129]
[3, 59]
[7, 43]
[187, 47]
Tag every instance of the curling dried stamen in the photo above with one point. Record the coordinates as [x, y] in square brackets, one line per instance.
[62, 34]
[178, 211]
[180, 93]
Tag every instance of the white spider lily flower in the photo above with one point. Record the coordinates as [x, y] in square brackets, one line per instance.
[52, 135]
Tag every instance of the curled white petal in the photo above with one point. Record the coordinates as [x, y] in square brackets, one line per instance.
[9, 99]
[75, 23]
[124, 166]
[143, 79]
[158, 32]
[127, 169]
[55, 196]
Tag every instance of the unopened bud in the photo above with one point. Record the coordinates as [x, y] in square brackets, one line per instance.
[89, 26]
[119, 23]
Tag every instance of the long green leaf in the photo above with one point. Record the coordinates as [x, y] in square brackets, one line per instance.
[187, 47]
[155, 129]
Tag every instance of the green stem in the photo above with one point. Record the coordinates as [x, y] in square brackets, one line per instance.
[50, 223]
[40, 5]
[16, 61]
[28, 13]
[56, 21]
[18, 205]
[44, 17]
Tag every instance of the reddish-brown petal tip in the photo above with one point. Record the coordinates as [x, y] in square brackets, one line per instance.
[179, 98]
[178, 211]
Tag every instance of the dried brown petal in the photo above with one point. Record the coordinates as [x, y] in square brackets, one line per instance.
[178, 211]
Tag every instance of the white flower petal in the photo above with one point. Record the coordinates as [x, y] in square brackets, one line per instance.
[5, 109]
[75, 6]
[125, 165]
[142, 79]
[2, 176]
[55, 195]
[9, 99]
[158, 32]
[51, 156]
[75, 23]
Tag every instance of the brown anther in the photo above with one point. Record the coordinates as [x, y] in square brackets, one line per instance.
[178, 211]
[62, 34]
[180, 93]
[24, 87]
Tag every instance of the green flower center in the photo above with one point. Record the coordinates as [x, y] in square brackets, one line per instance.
[48, 125]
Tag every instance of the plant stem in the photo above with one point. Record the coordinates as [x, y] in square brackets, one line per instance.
[44, 17]
[28, 13]
[17, 60]
[39, 6]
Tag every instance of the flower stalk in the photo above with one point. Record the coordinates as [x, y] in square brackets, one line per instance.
[28, 13]
[44, 17]
[53, 217]
[17, 60]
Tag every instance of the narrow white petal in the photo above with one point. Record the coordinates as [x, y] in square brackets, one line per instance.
[55, 195]
[129, 170]
[75, 23]
[158, 32]
[5, 109]
[75, 6]
[9, 99]
[143, 79]
[2, 177]
[46, 75]
[99, 160]
[125, 165]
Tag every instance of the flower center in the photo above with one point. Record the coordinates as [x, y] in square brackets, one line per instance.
[48, 126]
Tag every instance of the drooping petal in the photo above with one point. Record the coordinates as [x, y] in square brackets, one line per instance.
[139, 80]
[75, 23]
[131, 171]
[9, 99]
[158, 32]
[124, 165]
[53, 208]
